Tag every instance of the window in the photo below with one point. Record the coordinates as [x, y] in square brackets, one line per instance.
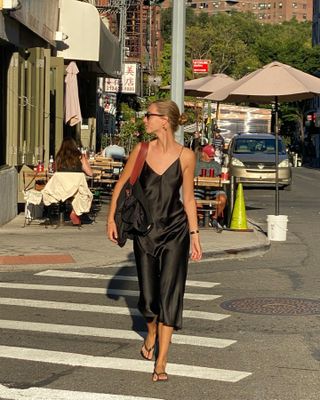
[266, 146]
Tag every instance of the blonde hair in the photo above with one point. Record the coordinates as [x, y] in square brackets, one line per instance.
[170, 109]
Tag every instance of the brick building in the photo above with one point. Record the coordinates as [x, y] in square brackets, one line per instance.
[142, 31]
[267, 11]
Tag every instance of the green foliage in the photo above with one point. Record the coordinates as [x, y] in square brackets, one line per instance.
[165, 65]
[166, 22]
[292, 115]
[237, 43]
[131, 133]
[127, 112]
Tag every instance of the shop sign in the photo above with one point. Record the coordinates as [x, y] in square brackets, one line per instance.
[129, 81]
[200, 66]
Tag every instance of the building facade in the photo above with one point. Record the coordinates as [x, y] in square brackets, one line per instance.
[37, 41]
[266, 11]
[142, 30]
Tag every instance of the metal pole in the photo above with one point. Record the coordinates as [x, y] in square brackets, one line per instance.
[277, 157]
[122, 32]
[149, 45]
[178, 59]
[122, 40]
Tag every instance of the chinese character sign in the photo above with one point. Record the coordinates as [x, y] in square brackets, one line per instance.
[129, 79]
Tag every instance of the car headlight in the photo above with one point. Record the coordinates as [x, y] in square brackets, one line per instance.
[236, 162]
[284, 164]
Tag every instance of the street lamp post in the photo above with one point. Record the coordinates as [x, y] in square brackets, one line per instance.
[178, 59]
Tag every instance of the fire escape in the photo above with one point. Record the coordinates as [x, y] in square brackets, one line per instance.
[142, 31]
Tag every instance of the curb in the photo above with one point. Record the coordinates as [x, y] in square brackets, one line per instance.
[237, 252]
[241, 252]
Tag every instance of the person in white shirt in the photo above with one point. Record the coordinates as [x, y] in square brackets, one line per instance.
[114, 151]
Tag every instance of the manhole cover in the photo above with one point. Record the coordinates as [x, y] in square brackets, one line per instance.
[273, 306]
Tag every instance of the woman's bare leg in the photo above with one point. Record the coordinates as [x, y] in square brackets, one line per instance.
[164, 337]
[148, 347]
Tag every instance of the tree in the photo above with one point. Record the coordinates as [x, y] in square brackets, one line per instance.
[289, 43]
[237, 44]
[294, 113]
[220, 41]
[165, 65]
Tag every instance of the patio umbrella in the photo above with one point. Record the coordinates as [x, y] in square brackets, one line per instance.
[72, 104]
[274, 82]
[201, 87]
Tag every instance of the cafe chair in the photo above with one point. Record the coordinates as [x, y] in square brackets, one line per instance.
[34, 207]
[33, 183]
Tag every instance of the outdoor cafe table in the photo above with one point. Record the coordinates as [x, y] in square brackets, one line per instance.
[209, 183]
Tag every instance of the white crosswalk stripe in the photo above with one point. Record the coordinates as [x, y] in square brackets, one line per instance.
[74, 359]
[110, 333]
[105, 277]
[57, 305]
[93, 290]
[66, 331]
[54, 394]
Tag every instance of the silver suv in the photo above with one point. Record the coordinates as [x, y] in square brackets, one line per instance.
[251, 160]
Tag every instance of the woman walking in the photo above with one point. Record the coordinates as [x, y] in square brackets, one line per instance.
[162, 255]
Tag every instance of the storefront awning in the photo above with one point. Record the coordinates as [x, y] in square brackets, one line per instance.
[86, 38]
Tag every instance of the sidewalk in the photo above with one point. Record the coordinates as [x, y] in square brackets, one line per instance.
[69, 246]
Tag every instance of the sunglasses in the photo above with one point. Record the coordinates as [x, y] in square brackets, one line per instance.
[148, 115]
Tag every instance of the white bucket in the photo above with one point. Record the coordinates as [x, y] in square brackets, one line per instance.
[277, 227]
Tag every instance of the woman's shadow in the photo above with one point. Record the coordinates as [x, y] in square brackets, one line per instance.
[126, 279]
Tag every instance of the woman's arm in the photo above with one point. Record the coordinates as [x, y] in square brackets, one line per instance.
[125, 175]
[86, 167]
[188, 160]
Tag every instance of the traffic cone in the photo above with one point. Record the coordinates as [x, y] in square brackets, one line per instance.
[239, 219]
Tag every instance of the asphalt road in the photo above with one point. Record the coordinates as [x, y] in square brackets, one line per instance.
[59, 342]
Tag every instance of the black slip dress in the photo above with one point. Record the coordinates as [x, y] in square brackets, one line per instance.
[162, 255]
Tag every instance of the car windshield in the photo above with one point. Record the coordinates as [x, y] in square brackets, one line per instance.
[266, 146]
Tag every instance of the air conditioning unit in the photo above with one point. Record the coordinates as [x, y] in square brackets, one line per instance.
[10, 4]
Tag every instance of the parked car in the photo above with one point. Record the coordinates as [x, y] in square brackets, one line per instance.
[251, 160]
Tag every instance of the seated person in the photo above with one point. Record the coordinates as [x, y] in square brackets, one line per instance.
[70, 159]
[206, 161]
[114, 151]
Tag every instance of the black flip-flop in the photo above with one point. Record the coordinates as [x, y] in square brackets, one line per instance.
[148, 351]
[160, 376]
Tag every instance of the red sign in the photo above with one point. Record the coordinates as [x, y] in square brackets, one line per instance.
[200, 66]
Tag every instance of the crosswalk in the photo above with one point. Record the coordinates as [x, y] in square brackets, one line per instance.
[57, 283]
[54, 394]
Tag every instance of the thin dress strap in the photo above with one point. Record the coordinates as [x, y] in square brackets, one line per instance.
[182, 147]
